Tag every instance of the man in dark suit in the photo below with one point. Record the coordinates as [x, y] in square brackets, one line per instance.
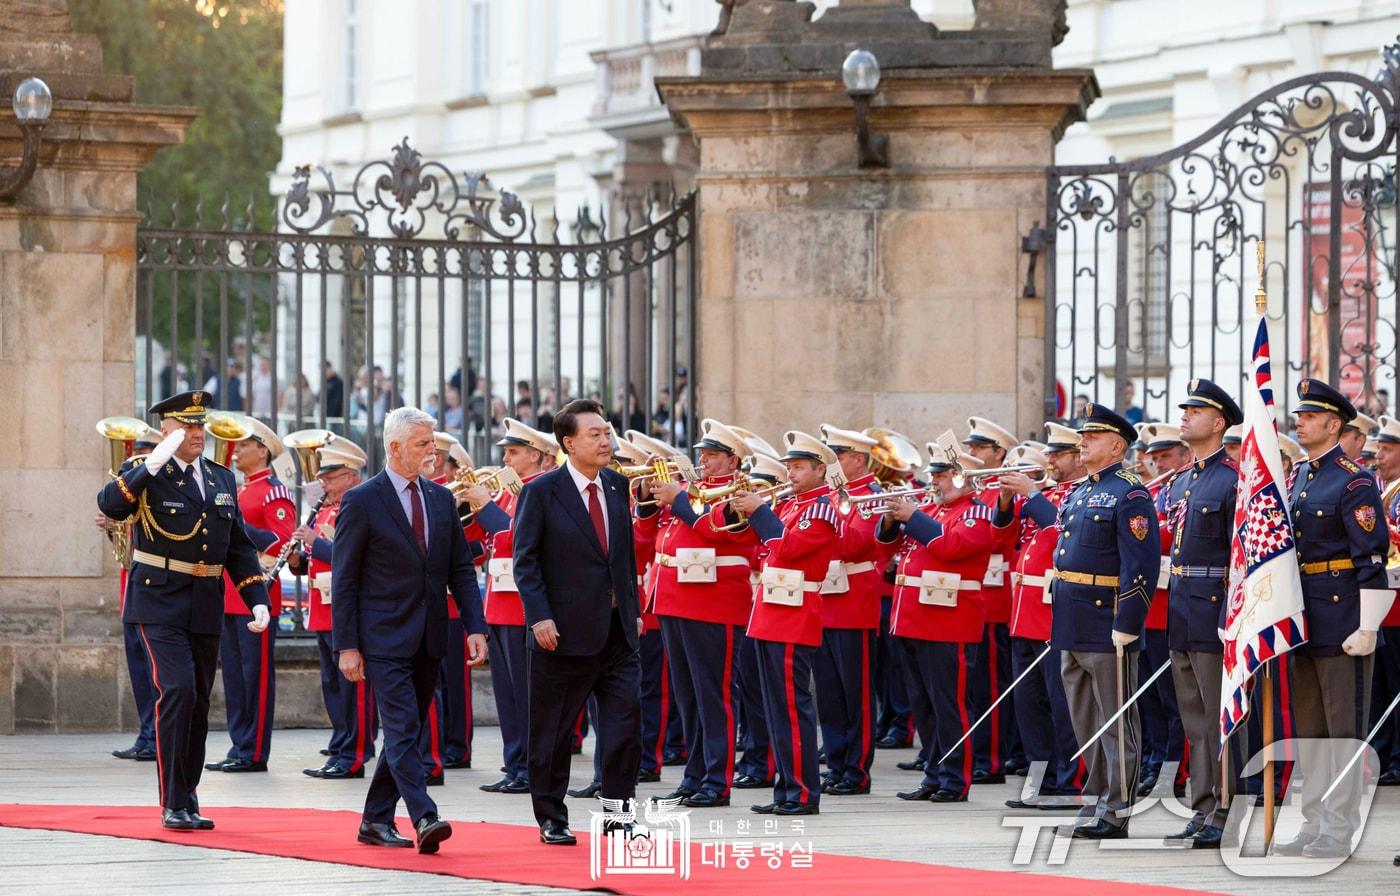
[576, 572]
[398, 548]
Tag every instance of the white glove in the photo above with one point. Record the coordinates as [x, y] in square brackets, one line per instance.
[1361, 643]
[1122, 639]
[165, 450]
[260, 620]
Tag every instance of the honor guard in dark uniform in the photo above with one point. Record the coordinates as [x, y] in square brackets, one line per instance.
[1342, 540]
[138, 667]
[1200, 519]
[1163, 739]
[1106, 565]
[246, 657]
[1387, 682]
[996, 743]
[350, 705]
[188, 530]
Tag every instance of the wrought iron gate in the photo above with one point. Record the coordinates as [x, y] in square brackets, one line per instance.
[1151, 273]
[416, 282]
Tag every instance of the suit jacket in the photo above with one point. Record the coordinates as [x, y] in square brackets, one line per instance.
[560, 568]
[388, 597]
[175, 522]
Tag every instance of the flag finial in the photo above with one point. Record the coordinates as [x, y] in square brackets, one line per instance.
[1261, 298]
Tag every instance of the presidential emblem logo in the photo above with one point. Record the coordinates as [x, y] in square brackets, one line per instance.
[1138, 526]
[1365, 517]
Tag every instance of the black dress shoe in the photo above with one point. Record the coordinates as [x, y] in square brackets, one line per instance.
[1021, 804]
[1019, 771]
[1179, 789]
[680, 793]
[673, 758]
[1327, 847]
[1193, 827]
[517, 785]
[431, 831]
[749, 782]
[457, 763]
[146, 755]
[1146, 786]
[1208, 837]
[200, 822]
[332, 772]
[922, 792]
[128, 753]
[988, 778]
[893, 743]
[176, 820]
[648, 777]
[705, 799]
[948, 796]
[763, 808]
[1101, 830]
[436, 780]
[913, 765]
[497, 786]
[586, 793]
[377, 834]
[796, 809]
[1292, 847]
[557, 833]
[242, 765]
[325, 752]
[218, 766]
[848, 788]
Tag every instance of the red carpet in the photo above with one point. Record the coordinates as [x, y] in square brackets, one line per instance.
[512, 854]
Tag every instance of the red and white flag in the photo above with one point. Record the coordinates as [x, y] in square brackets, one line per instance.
[1264, 618]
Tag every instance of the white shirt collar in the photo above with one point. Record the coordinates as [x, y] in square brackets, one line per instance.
[400, 482]
[581, 482]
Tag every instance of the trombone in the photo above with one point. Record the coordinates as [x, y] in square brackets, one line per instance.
[849, 502]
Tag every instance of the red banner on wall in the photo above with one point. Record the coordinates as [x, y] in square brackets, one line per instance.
[1356, 312]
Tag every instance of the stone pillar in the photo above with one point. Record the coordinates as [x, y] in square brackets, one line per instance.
[858, 296]
[67, 343]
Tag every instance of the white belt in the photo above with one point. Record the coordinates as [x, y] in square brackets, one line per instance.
[322, 583]
[785, 586]
[699, 566]
[719, 560]
[838, 575]
[1030, 581]
[917, 581]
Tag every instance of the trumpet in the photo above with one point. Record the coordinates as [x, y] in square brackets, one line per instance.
[773, 493]
[226, 429]
[848, 502]
[497, 480]
[984, 478]
[662, 469]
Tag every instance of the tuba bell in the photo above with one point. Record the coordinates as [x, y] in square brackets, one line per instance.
[121, 434]
[226, 429]
[894, 458]
[304, 444]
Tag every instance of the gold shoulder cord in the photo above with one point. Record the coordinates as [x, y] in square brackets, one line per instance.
[148, 522]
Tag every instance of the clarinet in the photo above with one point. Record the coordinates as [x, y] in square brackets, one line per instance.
[291, 544]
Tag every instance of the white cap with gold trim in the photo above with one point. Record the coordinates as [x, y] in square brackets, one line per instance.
[1364, 424]
[766, 466]
[446, 441]
[1390, 430]
[517, 433]
[1234, 435]
[757, 444]
[801, 446]
[341, 452]
[1060, 438]
[716, 436]
[1160, 436]
[628, 453]
[985, 432]
[1291, 449]
[652, 445]
[263, 433]
[840, 440]
[1023, 455]
[1368, 449]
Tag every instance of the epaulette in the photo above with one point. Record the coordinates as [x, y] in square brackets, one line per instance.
[214, 463]
[1129, 477]
[1230, 462]
[1348, 464]
[278, 492]
[820, 510]
[979, 511]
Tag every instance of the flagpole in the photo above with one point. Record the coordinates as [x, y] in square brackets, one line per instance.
[1261, 305]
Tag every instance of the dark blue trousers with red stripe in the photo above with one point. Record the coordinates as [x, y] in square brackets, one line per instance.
[891, 681]
[250, 686]
[996, 743]
[703, 656]
[845, 681]
[456, 696]
[1163, 737]
[1385, 686]
[182, 671]
[943, 670]
[1042, 715]
[785, 672]
[756, 760]
[510, 683]
[354, 721]
[658, 702]
[138, 667]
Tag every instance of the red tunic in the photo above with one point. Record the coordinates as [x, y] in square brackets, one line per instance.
[319, 617]
[961, 550]
[855, 579]
[503, 605]
[996, 579]
[644, 546]
[807, 545]
[1157, 610]
[265, 504]
[1035, 558]
[1392, 513]
[683, 550]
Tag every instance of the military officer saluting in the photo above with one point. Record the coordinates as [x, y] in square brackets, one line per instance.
[1341, 534]
[188, 530]
[1106, 564]
[1200, 506]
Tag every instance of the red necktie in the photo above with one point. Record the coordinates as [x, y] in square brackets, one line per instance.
[595, 510]
[418, 527]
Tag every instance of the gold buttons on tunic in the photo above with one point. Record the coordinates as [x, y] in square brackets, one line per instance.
[1335, 599]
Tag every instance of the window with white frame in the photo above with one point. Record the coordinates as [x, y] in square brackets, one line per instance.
[350, 54]
[478, 46]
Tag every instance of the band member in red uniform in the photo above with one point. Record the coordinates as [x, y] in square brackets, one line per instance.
[350, 705]
[938, 614]
[1042, 711]
[786, 621]
[1387, 675]
[702, 596]
[250, 676]
[524, 450]
[996, 743]
[850, 599]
